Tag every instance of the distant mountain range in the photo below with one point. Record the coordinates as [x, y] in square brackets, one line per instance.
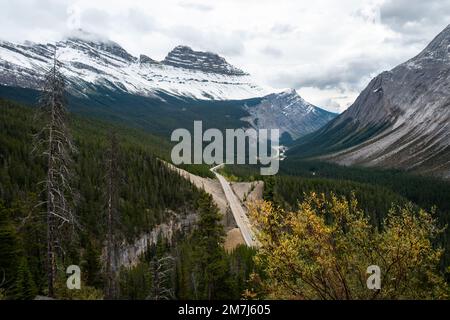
[108, 82]
[90, 62]
[400, 120]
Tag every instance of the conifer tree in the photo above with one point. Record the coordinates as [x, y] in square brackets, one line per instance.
[25, 288]
[9, 250]
[209, 252]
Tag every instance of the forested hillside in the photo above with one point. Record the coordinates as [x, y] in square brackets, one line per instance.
[192, 264]
[376, 190]
[194, 267]
[149, 193]
[156, 115]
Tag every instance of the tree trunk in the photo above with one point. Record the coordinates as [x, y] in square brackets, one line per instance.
[112, 216]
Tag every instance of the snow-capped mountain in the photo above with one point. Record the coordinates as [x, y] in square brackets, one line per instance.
[90, 62]
[107, 81]
[288, 112]
[401, 119]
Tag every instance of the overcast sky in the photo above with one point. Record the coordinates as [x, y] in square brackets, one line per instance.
[326, 49]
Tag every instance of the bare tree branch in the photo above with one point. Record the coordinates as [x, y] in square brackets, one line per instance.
[54, 143]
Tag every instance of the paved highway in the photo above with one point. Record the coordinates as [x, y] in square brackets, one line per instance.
[238, 211]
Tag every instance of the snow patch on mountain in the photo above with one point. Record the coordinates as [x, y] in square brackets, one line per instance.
[289, 113]
[90, 61]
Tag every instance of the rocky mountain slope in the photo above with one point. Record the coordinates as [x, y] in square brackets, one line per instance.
[185, 57]
[400, 120]
[90, 62]
[288, 112]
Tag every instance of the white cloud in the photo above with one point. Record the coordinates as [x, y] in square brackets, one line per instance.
[195, 6]
[272, 51]
[327, 49]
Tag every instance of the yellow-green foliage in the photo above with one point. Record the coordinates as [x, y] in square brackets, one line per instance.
[322, 251]
[84, 293]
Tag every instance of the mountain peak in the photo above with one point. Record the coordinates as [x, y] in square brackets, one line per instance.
[289, 100]
[85, 36]
[290, 97]
[437, 51]
[183, 48]
[143, 59]
[287, 110]
[185, 57]
[289, 91]
[81, 38]
[441, 41]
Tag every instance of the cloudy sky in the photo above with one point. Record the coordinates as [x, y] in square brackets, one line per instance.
[326, 49]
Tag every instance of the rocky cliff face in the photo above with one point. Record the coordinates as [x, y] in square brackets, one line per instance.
[129, 254]
[288, 112]
[401, 119]
[185, 57]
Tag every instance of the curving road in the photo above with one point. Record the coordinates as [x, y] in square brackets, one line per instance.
[238, 211]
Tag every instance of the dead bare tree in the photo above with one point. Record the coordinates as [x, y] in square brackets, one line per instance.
[54, 143]
[162, 270]
[112, 217]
